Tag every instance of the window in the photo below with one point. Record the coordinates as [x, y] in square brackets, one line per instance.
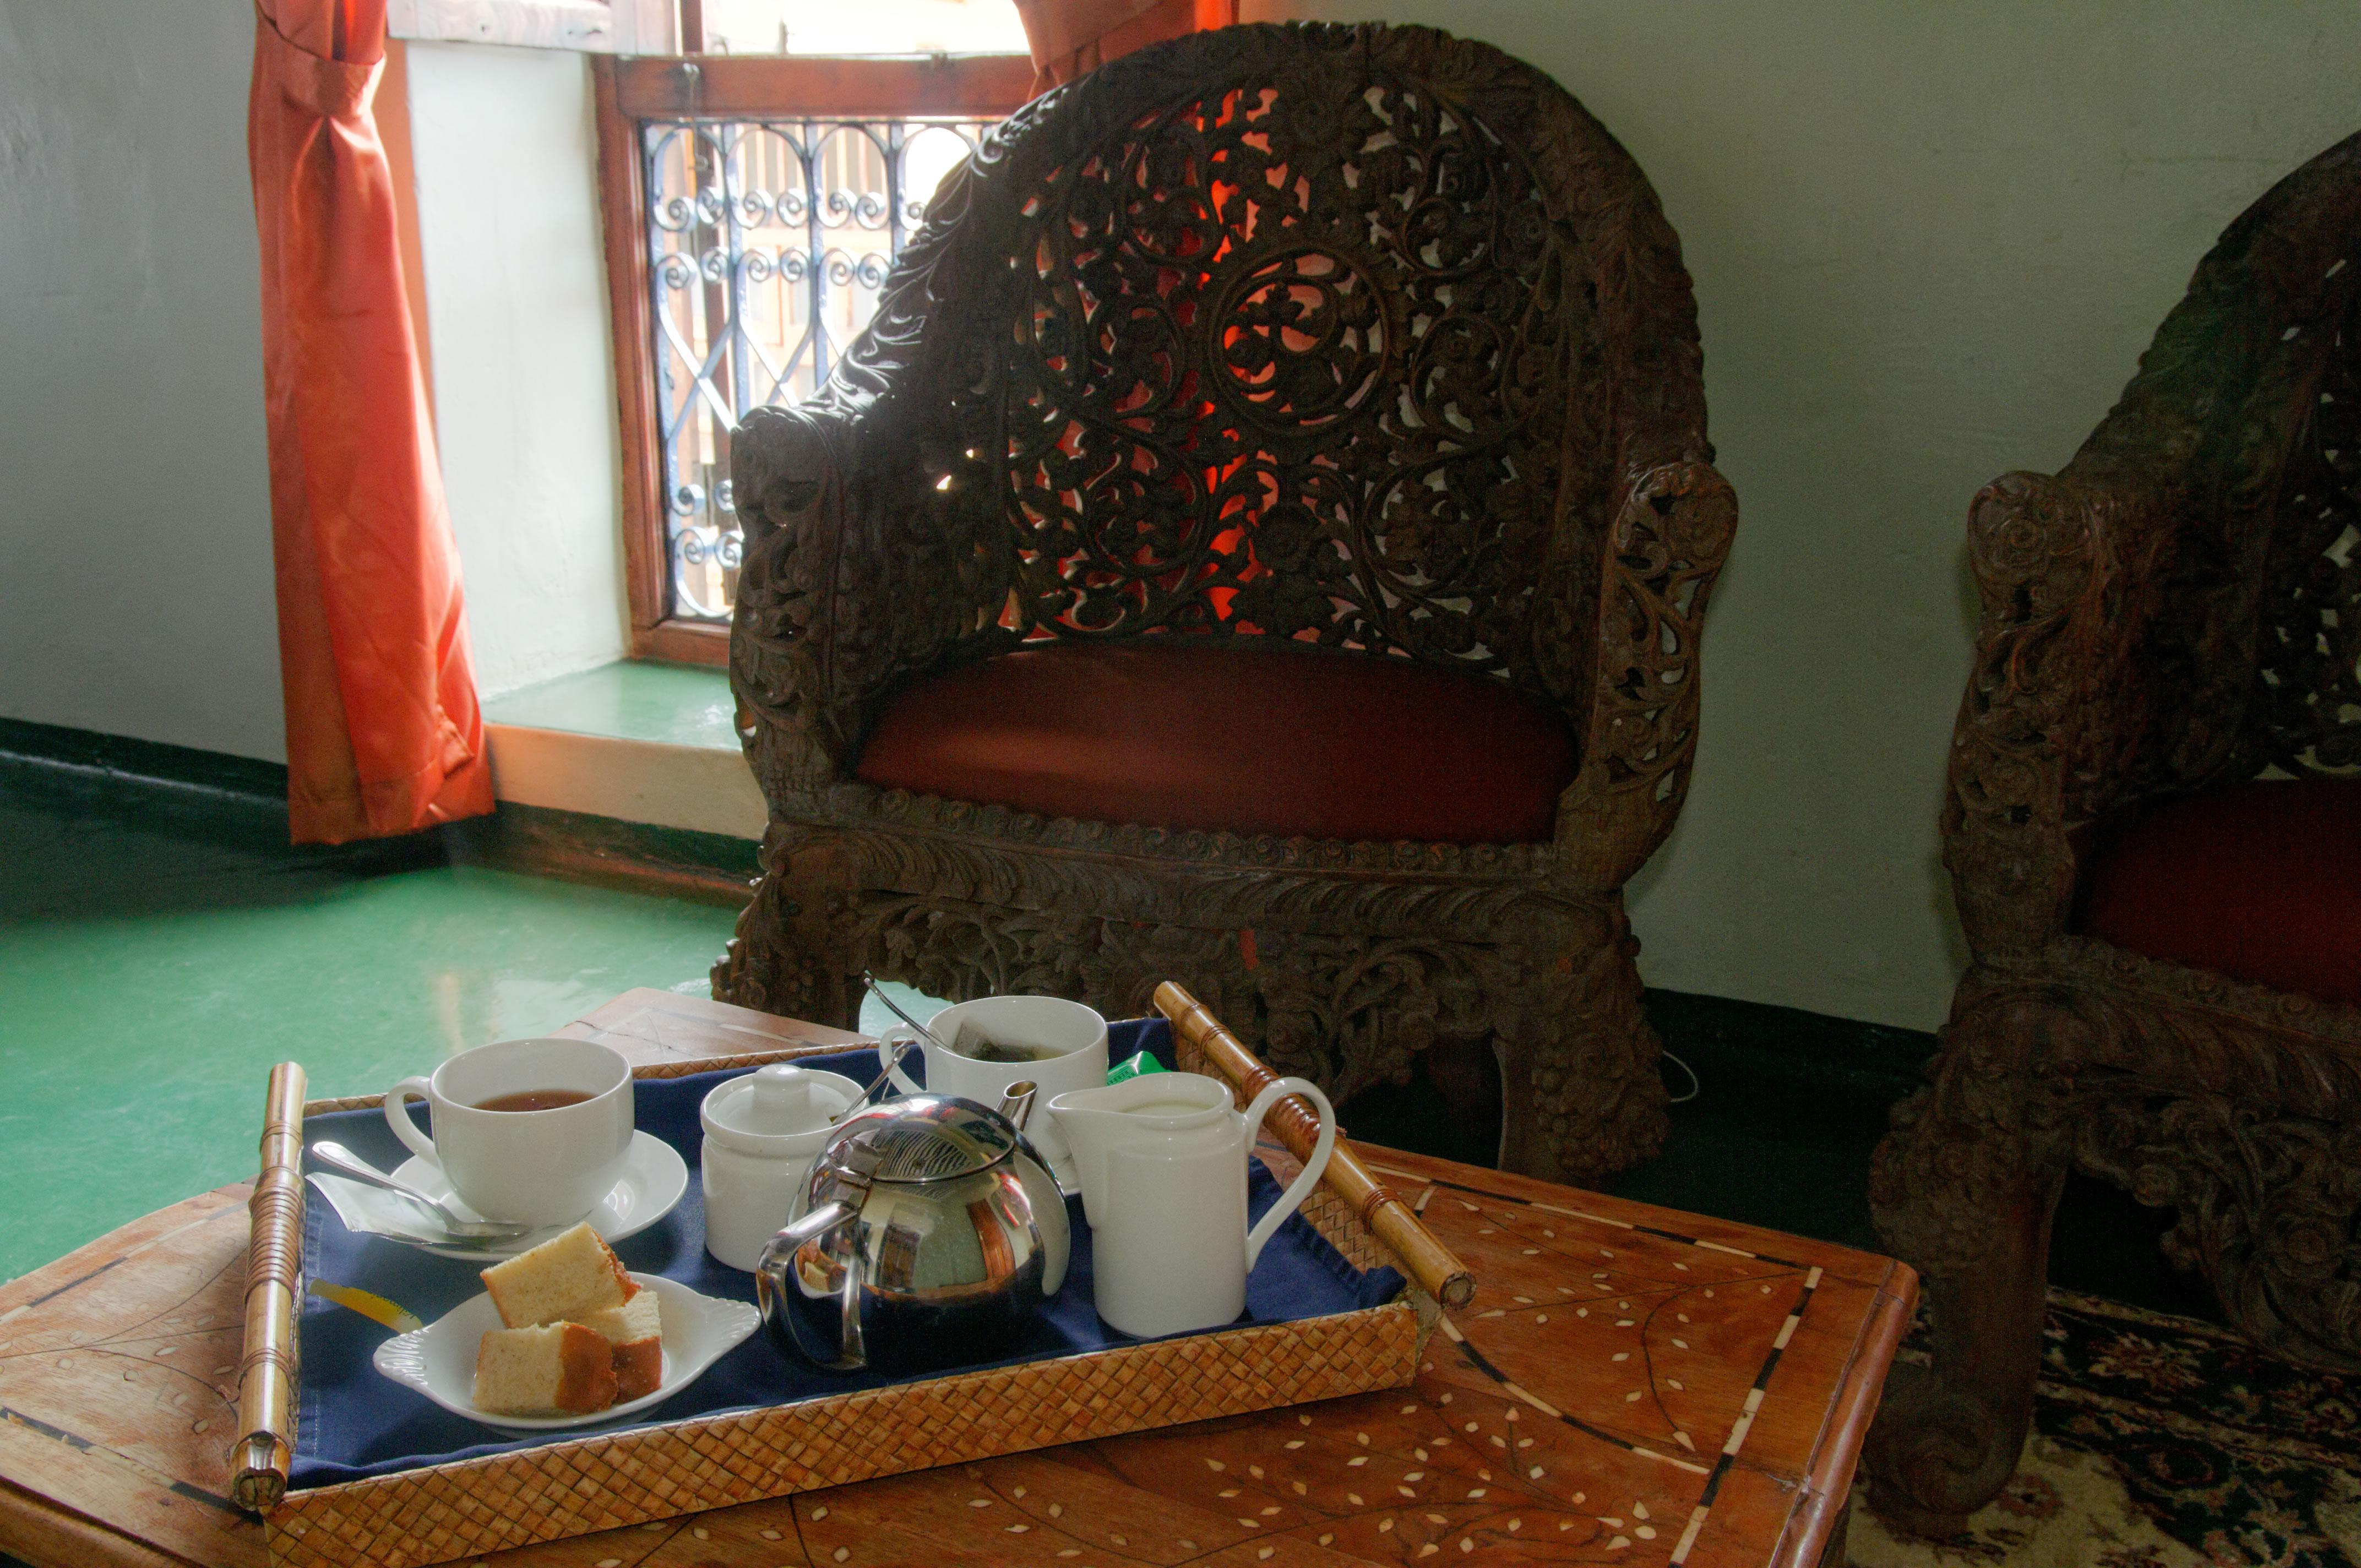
[753, 207]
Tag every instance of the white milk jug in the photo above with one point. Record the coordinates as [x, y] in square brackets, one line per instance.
[1162, 1160]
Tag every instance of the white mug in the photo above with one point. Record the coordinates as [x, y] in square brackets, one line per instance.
[1162, 1159]
[1076, 1033]
[542, 1167]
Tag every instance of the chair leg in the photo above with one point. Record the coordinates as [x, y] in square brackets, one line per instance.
[1963, 1188]
[1580, 1095]
[788, 956]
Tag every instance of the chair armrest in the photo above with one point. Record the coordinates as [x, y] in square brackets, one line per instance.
[1672, 532]
[848, 584]
[786, 473]
[2055, 714]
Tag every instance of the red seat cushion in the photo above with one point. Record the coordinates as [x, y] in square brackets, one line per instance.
[2258, 882]
[1284, 741]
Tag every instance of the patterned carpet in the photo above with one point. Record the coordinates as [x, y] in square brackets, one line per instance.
[2162, 1441]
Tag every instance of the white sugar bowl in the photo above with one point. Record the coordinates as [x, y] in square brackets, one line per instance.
[761, 1133]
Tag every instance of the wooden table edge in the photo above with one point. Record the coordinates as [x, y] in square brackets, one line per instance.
[1854, 1406]
[40, 1531]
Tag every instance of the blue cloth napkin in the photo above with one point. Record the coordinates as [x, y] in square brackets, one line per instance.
[354, 1423]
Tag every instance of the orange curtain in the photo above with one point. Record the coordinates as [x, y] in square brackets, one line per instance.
[383, 733]
[1070, 38]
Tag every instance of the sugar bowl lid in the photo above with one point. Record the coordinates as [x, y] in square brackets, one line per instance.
[780, 1109]
[921, 1138]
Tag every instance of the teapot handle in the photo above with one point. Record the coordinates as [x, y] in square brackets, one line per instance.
[780, 1291]
[1300, 1188]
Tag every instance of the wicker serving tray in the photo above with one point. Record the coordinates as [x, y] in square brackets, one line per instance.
[575, 1487]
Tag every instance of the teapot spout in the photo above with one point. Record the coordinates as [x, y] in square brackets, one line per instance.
[1016, 1105]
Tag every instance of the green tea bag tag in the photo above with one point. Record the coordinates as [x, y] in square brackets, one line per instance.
[1140, 1066]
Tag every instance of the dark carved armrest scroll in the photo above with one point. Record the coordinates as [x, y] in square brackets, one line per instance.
[787, 470]
[1671, 535]
[863, 570]
[2057, 710]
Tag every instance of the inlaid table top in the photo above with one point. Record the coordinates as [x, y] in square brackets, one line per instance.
[1631, 1386]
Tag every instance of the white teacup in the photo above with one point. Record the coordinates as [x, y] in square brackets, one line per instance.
[542, 1167]
[1076, 1035]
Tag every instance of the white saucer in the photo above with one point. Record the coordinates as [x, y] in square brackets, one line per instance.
[439, 1360]
[651, 1183]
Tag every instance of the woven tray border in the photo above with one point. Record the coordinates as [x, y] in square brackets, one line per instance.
[446, 1511]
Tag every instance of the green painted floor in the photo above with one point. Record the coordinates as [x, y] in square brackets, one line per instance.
[159, 952]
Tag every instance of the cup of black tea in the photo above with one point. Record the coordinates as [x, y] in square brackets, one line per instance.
[535, 1131]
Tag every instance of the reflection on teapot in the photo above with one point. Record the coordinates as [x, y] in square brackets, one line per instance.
[931, 1233]
[1163, 1165]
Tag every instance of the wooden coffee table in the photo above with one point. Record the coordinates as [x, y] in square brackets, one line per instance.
[1631, 1386]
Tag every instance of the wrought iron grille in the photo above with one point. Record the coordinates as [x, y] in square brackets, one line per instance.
[768, 240]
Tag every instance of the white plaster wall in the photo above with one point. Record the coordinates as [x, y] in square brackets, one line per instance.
[135, 593]
[1929, 243]
[516, 307]
[134, 507]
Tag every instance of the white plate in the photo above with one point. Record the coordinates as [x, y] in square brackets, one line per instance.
[439, 1360]
[651, 1183]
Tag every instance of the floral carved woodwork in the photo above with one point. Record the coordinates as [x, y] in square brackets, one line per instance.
[2180, 607]
[1360, 337]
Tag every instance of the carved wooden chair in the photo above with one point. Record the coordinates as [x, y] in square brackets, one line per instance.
[2166, 986]
[1262, 539]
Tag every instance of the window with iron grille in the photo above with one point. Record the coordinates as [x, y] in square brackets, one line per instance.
[752, 209]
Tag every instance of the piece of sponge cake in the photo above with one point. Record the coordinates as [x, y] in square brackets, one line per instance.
[635, 1330]
[569, 1276]
[562, 1368]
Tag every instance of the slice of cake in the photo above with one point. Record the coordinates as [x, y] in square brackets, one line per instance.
[562, 1369]
[635, 1331]
[568, 1275]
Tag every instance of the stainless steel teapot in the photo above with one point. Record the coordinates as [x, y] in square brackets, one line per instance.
[931, 1230]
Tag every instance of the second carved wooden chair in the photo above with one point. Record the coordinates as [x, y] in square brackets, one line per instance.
[1263, 541]
[2154, 829]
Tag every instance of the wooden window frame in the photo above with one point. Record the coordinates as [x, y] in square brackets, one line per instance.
[591, 26]
[628, 90]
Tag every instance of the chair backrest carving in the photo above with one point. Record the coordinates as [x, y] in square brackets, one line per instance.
[1342, 334]
[2241, 437]
[2305, 713]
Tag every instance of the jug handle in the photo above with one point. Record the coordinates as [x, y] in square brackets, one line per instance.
[777, 1282]
[1300, 1188]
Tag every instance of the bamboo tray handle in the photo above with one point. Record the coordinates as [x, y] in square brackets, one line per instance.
[274, 1265]
[1431, 1267]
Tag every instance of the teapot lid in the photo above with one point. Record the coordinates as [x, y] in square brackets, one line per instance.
[921, 1138]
